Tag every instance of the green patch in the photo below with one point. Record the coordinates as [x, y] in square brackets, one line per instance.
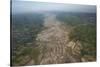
[86, 34]
[33, 53]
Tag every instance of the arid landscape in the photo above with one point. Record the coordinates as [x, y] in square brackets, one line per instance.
[53, 37]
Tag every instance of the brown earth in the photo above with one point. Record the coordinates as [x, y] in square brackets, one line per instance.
[54, 43]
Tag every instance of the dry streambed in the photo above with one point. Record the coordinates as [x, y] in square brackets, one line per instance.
[54, 43]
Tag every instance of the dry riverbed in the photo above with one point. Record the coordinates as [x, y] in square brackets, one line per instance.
[54, 43]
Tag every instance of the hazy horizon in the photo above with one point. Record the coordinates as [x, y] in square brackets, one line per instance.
[30, 6]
